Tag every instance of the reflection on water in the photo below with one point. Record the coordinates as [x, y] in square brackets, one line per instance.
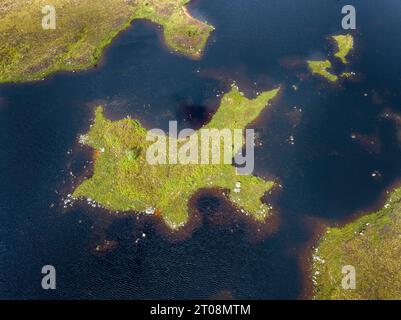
[305, 141]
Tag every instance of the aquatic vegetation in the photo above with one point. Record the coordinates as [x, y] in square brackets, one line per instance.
[372, 245]
[345, 44]
[321, 68]
[84, 29]
[124, 180]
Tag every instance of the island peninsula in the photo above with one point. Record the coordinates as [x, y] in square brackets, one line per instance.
[83, 29]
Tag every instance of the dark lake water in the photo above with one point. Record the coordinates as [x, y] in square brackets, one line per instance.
[326, 175]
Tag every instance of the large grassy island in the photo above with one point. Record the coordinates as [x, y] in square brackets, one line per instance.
[372, 244]
[124, 180]
[83, 29]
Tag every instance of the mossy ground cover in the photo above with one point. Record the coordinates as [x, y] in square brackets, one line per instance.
[123, 179]
[372, 244]
[84, 29]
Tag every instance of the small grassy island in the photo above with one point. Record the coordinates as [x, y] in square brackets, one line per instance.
[345, 44]
[83, 29]
[123, 179]
[372, 244]
[321, 68]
